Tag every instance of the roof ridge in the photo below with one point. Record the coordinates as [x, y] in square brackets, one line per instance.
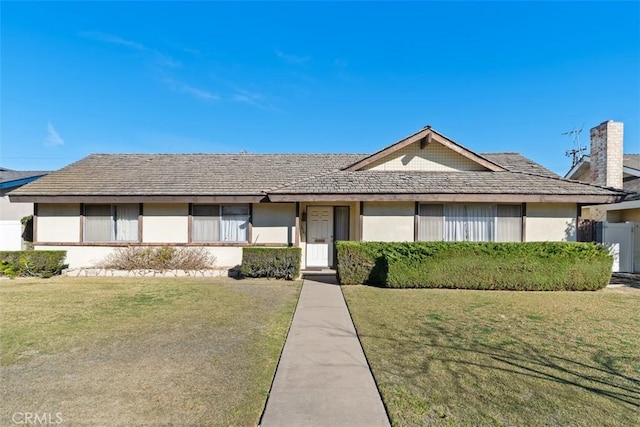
[227, 154]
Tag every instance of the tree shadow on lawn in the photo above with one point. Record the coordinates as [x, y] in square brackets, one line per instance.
[470, 367]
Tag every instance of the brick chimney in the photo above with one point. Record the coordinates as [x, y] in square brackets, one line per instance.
[606, 154]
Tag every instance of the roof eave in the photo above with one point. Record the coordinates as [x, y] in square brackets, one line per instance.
[202, 198]
[445, 197]
[584, 161]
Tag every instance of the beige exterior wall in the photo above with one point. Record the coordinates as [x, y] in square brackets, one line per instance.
[80, 256]
[90, 256]
[274, 223]
[388, 221]
[434, 157]
[165, 223]
[552, 222]
[584, 176]
[58, 222]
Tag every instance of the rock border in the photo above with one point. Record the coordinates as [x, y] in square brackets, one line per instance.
[106, 272]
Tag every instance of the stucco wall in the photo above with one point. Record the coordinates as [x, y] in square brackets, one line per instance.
[89, 256]
[13, 211]
[551, 222]
[165, 223]
[388, 221]
[58, 223]
[80, 256]
[434, 157]
[274, 223]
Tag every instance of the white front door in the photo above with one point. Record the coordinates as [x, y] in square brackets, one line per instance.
[319, 236]
[618, 237]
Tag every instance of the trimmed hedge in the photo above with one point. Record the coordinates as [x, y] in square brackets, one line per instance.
[531, 266]
[32, 263]
[277, 263]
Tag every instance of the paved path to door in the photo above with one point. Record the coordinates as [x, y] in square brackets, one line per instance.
[323, 378]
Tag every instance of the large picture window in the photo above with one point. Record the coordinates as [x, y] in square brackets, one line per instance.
[474, 222]
[220, 223]
[111, 223]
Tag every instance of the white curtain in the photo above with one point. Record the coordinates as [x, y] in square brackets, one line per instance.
[98, 223]
[431, 223]
[454, 223]
[126, 222]
[472, 223]
[206, 223]
[234, 223]
[509, 223]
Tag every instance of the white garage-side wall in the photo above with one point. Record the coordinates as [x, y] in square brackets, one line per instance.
[13, 210]
[165, 223]
[58, 222]
[388, 221]
[552, 222]
[273, 223]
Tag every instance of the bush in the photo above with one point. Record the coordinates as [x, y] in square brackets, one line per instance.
[533, 266]
[32, 263]
[278, 263]
[159, 258]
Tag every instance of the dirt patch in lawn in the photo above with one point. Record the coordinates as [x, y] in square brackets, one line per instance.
[143, 352]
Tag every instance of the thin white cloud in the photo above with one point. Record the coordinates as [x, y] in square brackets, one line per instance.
[156, 56]
[113, 39]
[183, 87]
[53, 138]
[289, 57]
[252, 98]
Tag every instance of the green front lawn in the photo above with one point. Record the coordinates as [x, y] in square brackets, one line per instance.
[106, 351]
[452, 357]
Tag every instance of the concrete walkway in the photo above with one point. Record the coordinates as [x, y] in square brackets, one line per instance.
[323, 378]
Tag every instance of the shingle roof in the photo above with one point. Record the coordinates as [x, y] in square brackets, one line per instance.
[260, 174]
[415, 182]
[183, 174]
[9, 175]
[516, 162]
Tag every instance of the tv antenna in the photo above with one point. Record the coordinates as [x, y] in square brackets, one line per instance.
[577, 152]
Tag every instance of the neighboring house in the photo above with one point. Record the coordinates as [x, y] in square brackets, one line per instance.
[424, 187]
[12, 213]
[606, 165]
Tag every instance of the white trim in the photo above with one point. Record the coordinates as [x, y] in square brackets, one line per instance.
[587, 160]
[583, 160]
[631, 204]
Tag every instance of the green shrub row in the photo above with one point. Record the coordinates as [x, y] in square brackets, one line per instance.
[531, 266]
[277, 263]
[32, 263]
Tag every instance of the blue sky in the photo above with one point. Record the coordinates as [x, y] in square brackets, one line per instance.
[92, 77]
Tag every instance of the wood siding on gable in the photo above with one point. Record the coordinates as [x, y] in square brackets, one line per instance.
[434, 157]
